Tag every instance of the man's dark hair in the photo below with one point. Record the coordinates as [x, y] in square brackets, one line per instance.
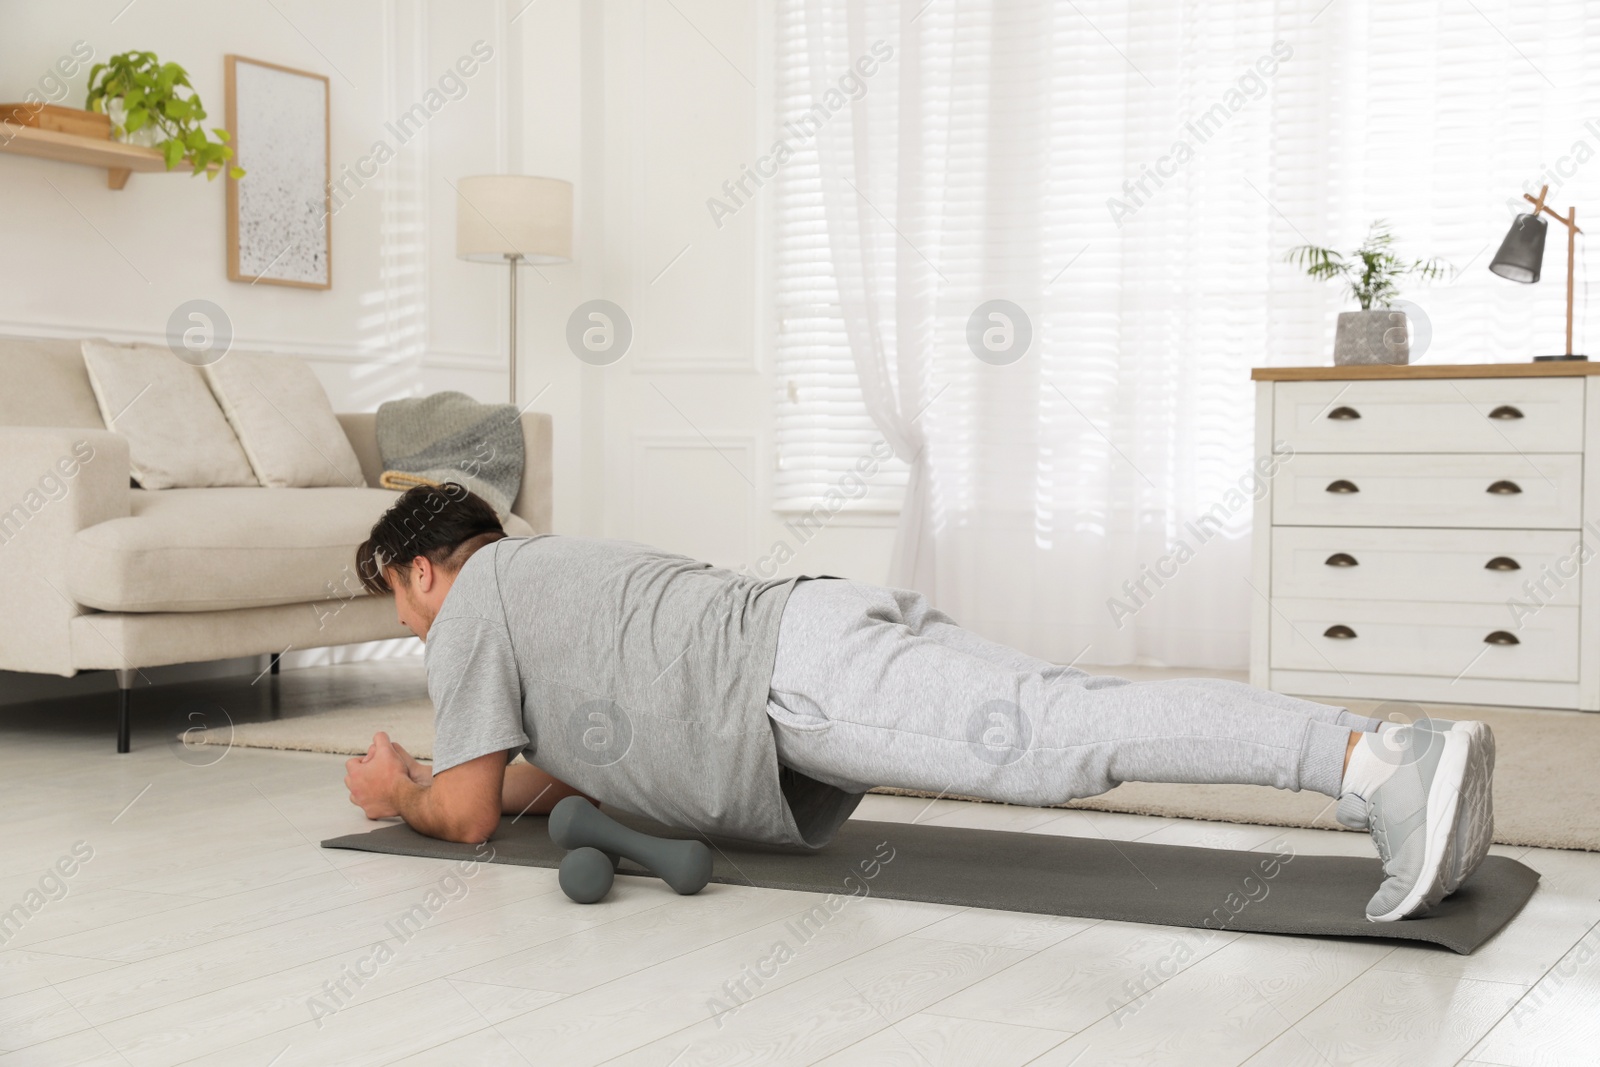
[445, 523]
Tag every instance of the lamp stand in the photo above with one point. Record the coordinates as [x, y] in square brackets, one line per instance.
[512, 258]
[1571, 223]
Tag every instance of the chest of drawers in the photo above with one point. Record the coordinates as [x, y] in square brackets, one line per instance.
[1429, 533]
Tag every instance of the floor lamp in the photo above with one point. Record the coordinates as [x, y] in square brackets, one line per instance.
[1522, 253]
[511, 219]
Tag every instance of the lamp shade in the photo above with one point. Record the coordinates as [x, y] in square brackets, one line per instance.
[500, 215]
[1522, 252]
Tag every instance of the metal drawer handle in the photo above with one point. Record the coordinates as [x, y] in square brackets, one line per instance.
[1343, 413]
[1340, 630]
[1505, 411]
[1345, 486]
[1340, 559]
[1502, 563]
[1501, 637]
[1504, 488]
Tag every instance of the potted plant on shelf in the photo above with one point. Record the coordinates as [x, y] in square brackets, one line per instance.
[144, 98]
[1376, 333]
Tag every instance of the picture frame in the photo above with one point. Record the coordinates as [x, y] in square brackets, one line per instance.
[280, 213]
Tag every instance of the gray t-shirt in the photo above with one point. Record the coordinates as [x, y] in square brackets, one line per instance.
[637, 676]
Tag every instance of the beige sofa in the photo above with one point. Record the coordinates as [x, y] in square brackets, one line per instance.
[104, 576]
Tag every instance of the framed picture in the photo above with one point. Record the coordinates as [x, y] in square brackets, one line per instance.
[279, 212]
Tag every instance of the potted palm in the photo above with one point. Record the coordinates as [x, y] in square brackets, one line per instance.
[1376, 333]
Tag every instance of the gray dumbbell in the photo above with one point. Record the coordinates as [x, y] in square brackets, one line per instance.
[577, 824]
[586, 875]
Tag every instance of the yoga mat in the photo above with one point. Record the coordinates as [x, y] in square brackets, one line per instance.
[1130, 881]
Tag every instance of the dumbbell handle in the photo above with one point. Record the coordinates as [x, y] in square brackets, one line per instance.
[683, 865]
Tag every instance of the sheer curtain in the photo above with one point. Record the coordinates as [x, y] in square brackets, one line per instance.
[1129, 177]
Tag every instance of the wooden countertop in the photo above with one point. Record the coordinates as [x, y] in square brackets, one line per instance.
[1551, 369]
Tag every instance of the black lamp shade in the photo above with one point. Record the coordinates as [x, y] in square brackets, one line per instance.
[1522, 251]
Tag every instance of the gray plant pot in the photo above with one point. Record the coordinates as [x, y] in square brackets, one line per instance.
[1375, 336]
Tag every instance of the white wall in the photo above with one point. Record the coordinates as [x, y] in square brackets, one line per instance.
[117, 262]
[404, 316]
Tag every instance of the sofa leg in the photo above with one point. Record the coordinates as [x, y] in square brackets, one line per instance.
[274, 662]
[276, 696]
[124, 699]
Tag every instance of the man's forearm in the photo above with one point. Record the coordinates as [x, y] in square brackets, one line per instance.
[419, 806]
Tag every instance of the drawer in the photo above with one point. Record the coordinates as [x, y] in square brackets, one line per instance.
[1431, 415]
[1440, 640]
[1543, 490]
[1363, 563]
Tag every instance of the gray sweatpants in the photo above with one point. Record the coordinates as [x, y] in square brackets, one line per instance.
[874, 687]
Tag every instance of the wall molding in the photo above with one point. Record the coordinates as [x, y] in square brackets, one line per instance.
[314, 351]
[686, 364]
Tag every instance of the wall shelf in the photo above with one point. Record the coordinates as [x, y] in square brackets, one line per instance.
[117, 159]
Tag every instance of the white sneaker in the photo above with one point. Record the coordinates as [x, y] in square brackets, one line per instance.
[1475, 825]
[1413, 817]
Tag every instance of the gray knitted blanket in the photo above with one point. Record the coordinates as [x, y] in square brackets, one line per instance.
[450, 437]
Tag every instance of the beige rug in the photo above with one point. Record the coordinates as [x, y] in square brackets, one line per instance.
[1546, 788]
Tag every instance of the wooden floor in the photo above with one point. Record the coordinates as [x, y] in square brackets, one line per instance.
[206, 926]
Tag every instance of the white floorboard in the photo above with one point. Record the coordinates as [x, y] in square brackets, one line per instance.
[209, 928]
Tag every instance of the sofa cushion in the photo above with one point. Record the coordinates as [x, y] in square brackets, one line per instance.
[46, 384]
[177, 435]
[220, 548]
[281, 415]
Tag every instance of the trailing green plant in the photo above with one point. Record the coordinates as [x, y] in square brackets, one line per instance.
[150, 93]
[1370, 271]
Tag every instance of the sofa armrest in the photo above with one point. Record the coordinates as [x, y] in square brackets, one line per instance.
[533, 501]
[362, 429]
[53, 483]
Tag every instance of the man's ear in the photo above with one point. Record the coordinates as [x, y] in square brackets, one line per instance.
[422, 574]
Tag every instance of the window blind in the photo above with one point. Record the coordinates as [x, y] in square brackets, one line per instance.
[824, 436]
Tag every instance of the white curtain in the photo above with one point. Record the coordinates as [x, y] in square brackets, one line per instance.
[1130, 176]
